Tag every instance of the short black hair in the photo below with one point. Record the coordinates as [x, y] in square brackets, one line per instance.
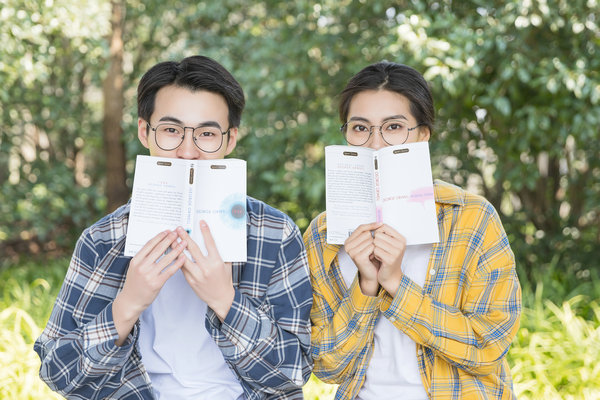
[193, 73]
[399, 78]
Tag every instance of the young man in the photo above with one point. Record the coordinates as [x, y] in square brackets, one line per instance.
[172, 327]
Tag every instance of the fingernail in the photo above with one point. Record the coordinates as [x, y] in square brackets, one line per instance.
[203, 224]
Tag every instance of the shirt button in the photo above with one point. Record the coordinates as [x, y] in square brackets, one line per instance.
[432, 272]
[392, 319]
[420, 352]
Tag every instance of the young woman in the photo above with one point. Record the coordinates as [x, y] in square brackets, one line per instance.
[392, 321]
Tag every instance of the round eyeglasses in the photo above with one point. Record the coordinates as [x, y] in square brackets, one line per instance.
[169, 136]
[393, 132]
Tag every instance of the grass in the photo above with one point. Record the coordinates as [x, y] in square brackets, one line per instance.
[26, 302]
[554, 355]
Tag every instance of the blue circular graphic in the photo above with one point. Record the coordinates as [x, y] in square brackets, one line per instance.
[234, 207]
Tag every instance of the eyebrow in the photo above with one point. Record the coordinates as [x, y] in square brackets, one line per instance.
[168, 118]
[399, 116]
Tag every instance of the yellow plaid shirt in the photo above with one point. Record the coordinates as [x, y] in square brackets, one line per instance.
[463, 320]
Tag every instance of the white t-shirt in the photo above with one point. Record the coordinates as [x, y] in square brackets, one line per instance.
[181, 357]
[393, 372]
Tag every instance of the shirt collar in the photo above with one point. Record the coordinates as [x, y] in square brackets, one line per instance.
[446, 193]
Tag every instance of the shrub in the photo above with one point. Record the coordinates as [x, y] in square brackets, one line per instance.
[554, 355]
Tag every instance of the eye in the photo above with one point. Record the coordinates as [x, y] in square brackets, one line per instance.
[394, 127]
[359, 128]
[171, 130]
[206, 133]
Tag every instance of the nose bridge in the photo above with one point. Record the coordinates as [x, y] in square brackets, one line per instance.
[377, 141]
[378, 128]
[188, 148]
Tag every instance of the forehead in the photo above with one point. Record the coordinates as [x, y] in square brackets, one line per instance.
[190, 106]
[376, 105]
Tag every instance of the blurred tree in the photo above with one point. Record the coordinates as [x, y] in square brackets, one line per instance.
[116, 191]
[518, 89]
[516, 85]
[49, 121]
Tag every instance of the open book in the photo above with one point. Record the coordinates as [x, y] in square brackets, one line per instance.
[171, 192]
[393, 185]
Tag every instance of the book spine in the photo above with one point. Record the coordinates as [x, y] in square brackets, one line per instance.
[189, 198]
[378, 202]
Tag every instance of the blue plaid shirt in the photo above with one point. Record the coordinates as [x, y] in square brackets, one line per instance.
[265, 338]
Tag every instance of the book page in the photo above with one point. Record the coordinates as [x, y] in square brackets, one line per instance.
[407, 200]
[350, 199]
[221, 202]
[157, 199]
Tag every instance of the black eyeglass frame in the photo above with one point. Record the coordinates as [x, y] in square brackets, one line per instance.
[343, 131]
[148, 126]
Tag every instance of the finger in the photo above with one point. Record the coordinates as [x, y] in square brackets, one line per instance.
[365, 248]
[172, 255]
[389, 231]
[380, 251]
[383, 256]
[374, 259]
[150, 244]
[192, 272]
[168, 272]
[393, 247]
[358, 241]
[369, 227]
[384, 240]
[209, 241]
[192, 246]
[358, 248]
[362, 253]
[365, 228]
[162, 246]
[389, 256]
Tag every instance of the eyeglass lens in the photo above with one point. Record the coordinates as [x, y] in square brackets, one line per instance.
[206, 138]
[357, 133]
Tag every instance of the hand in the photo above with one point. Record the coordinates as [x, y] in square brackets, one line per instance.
[359, 247]
[145, 277]
[389, 250]
[208, 276]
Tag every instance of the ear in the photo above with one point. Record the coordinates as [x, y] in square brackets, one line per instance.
[232, 141]
[143, 132]
[424, 134]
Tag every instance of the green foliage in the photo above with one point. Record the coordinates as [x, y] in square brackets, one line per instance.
[50, 211]
[26, 300]
[47, 114]
[554, 355]
[317, 390]
[516, 85]
[520, 115]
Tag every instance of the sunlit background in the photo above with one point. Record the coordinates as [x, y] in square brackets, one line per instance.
[517, 92]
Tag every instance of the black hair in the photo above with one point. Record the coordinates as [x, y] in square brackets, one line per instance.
[193, 73]
[394, 77]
